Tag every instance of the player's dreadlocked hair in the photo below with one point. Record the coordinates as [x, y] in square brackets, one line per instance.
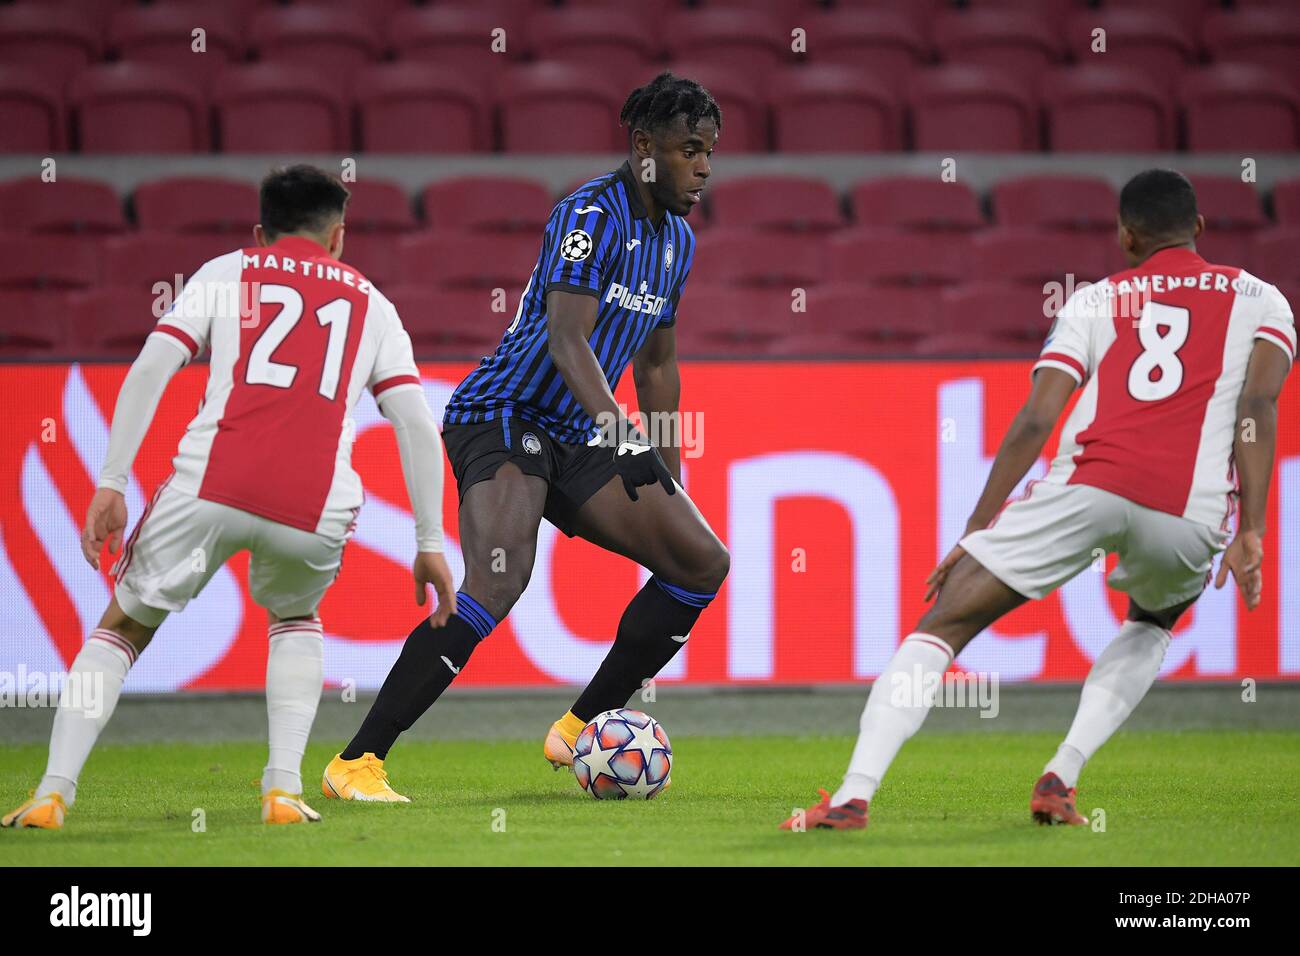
[655, 105]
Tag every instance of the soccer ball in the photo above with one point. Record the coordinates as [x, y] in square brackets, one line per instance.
[622, 753]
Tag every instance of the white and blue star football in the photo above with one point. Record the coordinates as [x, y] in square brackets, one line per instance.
[622, 753]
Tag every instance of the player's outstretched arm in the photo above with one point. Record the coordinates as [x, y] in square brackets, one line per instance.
[1253, 449]
[659, 390]
[419, 445]
[1020, 448]
[137, 402]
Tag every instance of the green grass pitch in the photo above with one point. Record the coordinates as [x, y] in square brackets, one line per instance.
[1191, 798]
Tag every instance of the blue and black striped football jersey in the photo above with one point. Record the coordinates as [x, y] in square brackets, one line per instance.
[599, 241]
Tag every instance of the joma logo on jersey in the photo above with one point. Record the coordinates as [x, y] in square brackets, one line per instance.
[643, 300]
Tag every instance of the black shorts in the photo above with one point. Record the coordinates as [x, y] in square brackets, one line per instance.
[573, 472]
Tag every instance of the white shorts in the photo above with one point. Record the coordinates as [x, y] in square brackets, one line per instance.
[181, 540]
[1046, 538]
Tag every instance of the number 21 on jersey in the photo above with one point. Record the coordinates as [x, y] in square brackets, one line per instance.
[262, 370]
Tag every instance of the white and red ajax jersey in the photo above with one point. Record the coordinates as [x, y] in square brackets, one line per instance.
[294, 337]
[1161, 351]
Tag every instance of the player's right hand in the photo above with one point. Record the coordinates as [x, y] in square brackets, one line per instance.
[1245, 559]
[940, 573]
[105, 521]
[430, 568]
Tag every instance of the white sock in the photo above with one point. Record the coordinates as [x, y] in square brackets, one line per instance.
[1119, 679]
[896, 708]
[86, 703]
[294, 675]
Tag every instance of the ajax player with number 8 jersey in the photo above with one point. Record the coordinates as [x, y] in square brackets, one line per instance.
[295, 335]
[1181, 363]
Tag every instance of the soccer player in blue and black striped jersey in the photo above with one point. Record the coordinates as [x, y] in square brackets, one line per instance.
[534, 432]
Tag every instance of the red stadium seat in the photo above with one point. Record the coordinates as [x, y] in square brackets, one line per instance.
[743, 256]
[33, 324]
[270, 108]
[1189, 13]
[774, 202]
[922, 9]
[964, 346]
[421, 108]
[840, 109]
[729, 321]
[48, 262]
[197, 204]
[378, 12]
[378, 205]
[334, 41]
[1267, 37]
[1227, 202]
[376, 256]
[559, 108]
[915, 202]
[1237, 106]
[31, 113]
[753, 41]
[137, 108]
[833, 344]
[1286, 202]
[888, 43]
[112, 322]
[902, 257]
[743, 105]
[469, 260]
[1019, 43]
[45, 42]
[1016, 315]
[65, 205]
[786, 11]
[882, 317]
[971, 108]
[138, 261]
[618, 40]
[487, 203]
[1056, 202]
[1040, 256]
[1105, 109]
[1150, 42]
[1273, 256]
[452, 323]
[1057, 10]
[163, 35]
[460, 38]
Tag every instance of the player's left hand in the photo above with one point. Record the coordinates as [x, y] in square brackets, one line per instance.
[105, 521]
[430, 567]
[1245, 559]
[940, 573]
[639, 463]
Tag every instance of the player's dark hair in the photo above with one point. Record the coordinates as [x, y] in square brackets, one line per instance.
[301, 198]
[1158, 204]
[657, 104]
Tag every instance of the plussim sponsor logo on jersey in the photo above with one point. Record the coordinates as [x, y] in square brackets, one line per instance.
[643, 300]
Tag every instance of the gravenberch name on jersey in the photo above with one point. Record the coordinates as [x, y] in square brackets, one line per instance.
[305, 267]
[1204, 281]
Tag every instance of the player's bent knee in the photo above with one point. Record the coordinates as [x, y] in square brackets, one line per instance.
[707, 570]
[497, 592]
[122, 624]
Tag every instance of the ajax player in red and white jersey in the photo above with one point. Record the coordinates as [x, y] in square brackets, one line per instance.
[295, 336]
[1180, 362]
